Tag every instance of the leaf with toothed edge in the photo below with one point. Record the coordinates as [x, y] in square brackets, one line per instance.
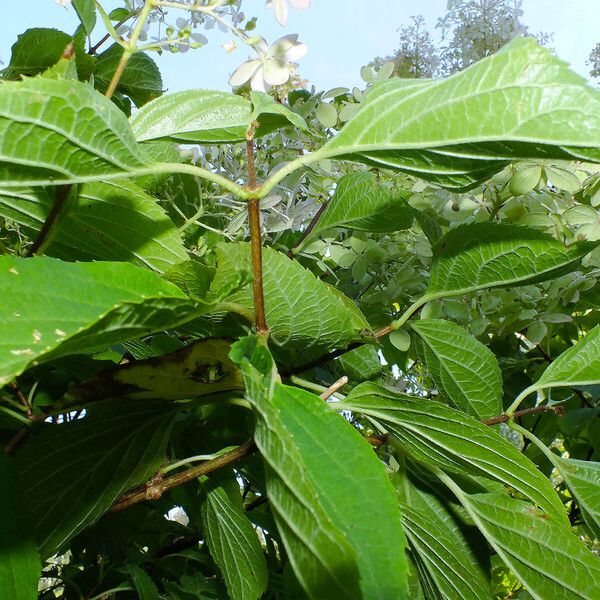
[453, 441]
[522, 102]
[52, 308]
[334, 505]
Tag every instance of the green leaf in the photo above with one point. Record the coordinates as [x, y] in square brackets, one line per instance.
[436, 537]
[583, 479]
[51, 308]
[546, 557]
[525, 179]
[400, 339]
[194, 116]
[141, 79]
[360, 364]
[82, 133]
[233, 542]
[199, 369]
[107, 221]
[272, 115]
[301, 310]
[579, 365]
[438, 435]
[332, 500]
[360, 203]
[35, 51]
[463, 368]
[327, 114]
[20, 567]
[86, 11]
[203, 116]
[71, 473]
[144, 586]
[460, 130]
[485, 255]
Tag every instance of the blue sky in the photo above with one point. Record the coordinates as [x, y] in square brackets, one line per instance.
[342, 35]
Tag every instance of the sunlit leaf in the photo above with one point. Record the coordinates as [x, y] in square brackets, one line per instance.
[334, 505]
[522, 102]
[453, 441]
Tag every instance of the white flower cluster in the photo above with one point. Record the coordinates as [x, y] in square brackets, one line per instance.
[273, 66]
[280, 7]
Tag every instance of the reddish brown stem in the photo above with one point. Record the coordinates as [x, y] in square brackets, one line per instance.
[557, 410]
[158, 485]
[255, 237]
[308, 229]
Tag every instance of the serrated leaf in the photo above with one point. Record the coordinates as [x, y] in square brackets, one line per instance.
[486, 255]
[583, 479]
[579, 365]
[83, 135]
[86, 11]
[334, 505]
[36, 50]
[453, 441]
[449, 130]
[300, 308]
[71, 473]
[546, 557]
[51, 308]
[194, 116]
[463, 368]
[106, 221]
[360, 364]
[20, 566]
[441, 545]
[233, 542]
[360, 203]
[141, 80]
[199, 369]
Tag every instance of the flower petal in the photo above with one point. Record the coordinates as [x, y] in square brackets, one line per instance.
[275, 71]
[257, 83]
[244, 72]
[299, 4]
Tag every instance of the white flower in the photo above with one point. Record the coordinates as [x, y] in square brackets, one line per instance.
[274, 65]
[281, 9]
[65, 3]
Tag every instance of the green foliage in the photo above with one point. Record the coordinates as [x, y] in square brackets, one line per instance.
[419, 127]
[312, 453]
[327, 441]
[233, 542]
[87, 464]
[20, 566]
[465, 370]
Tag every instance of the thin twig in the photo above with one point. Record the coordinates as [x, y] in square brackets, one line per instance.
[93, 49]
[291, 252]
[332, 389]
[557, 410]
[22, 399]
[114, 82]
[158, 485]
[53, 216]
